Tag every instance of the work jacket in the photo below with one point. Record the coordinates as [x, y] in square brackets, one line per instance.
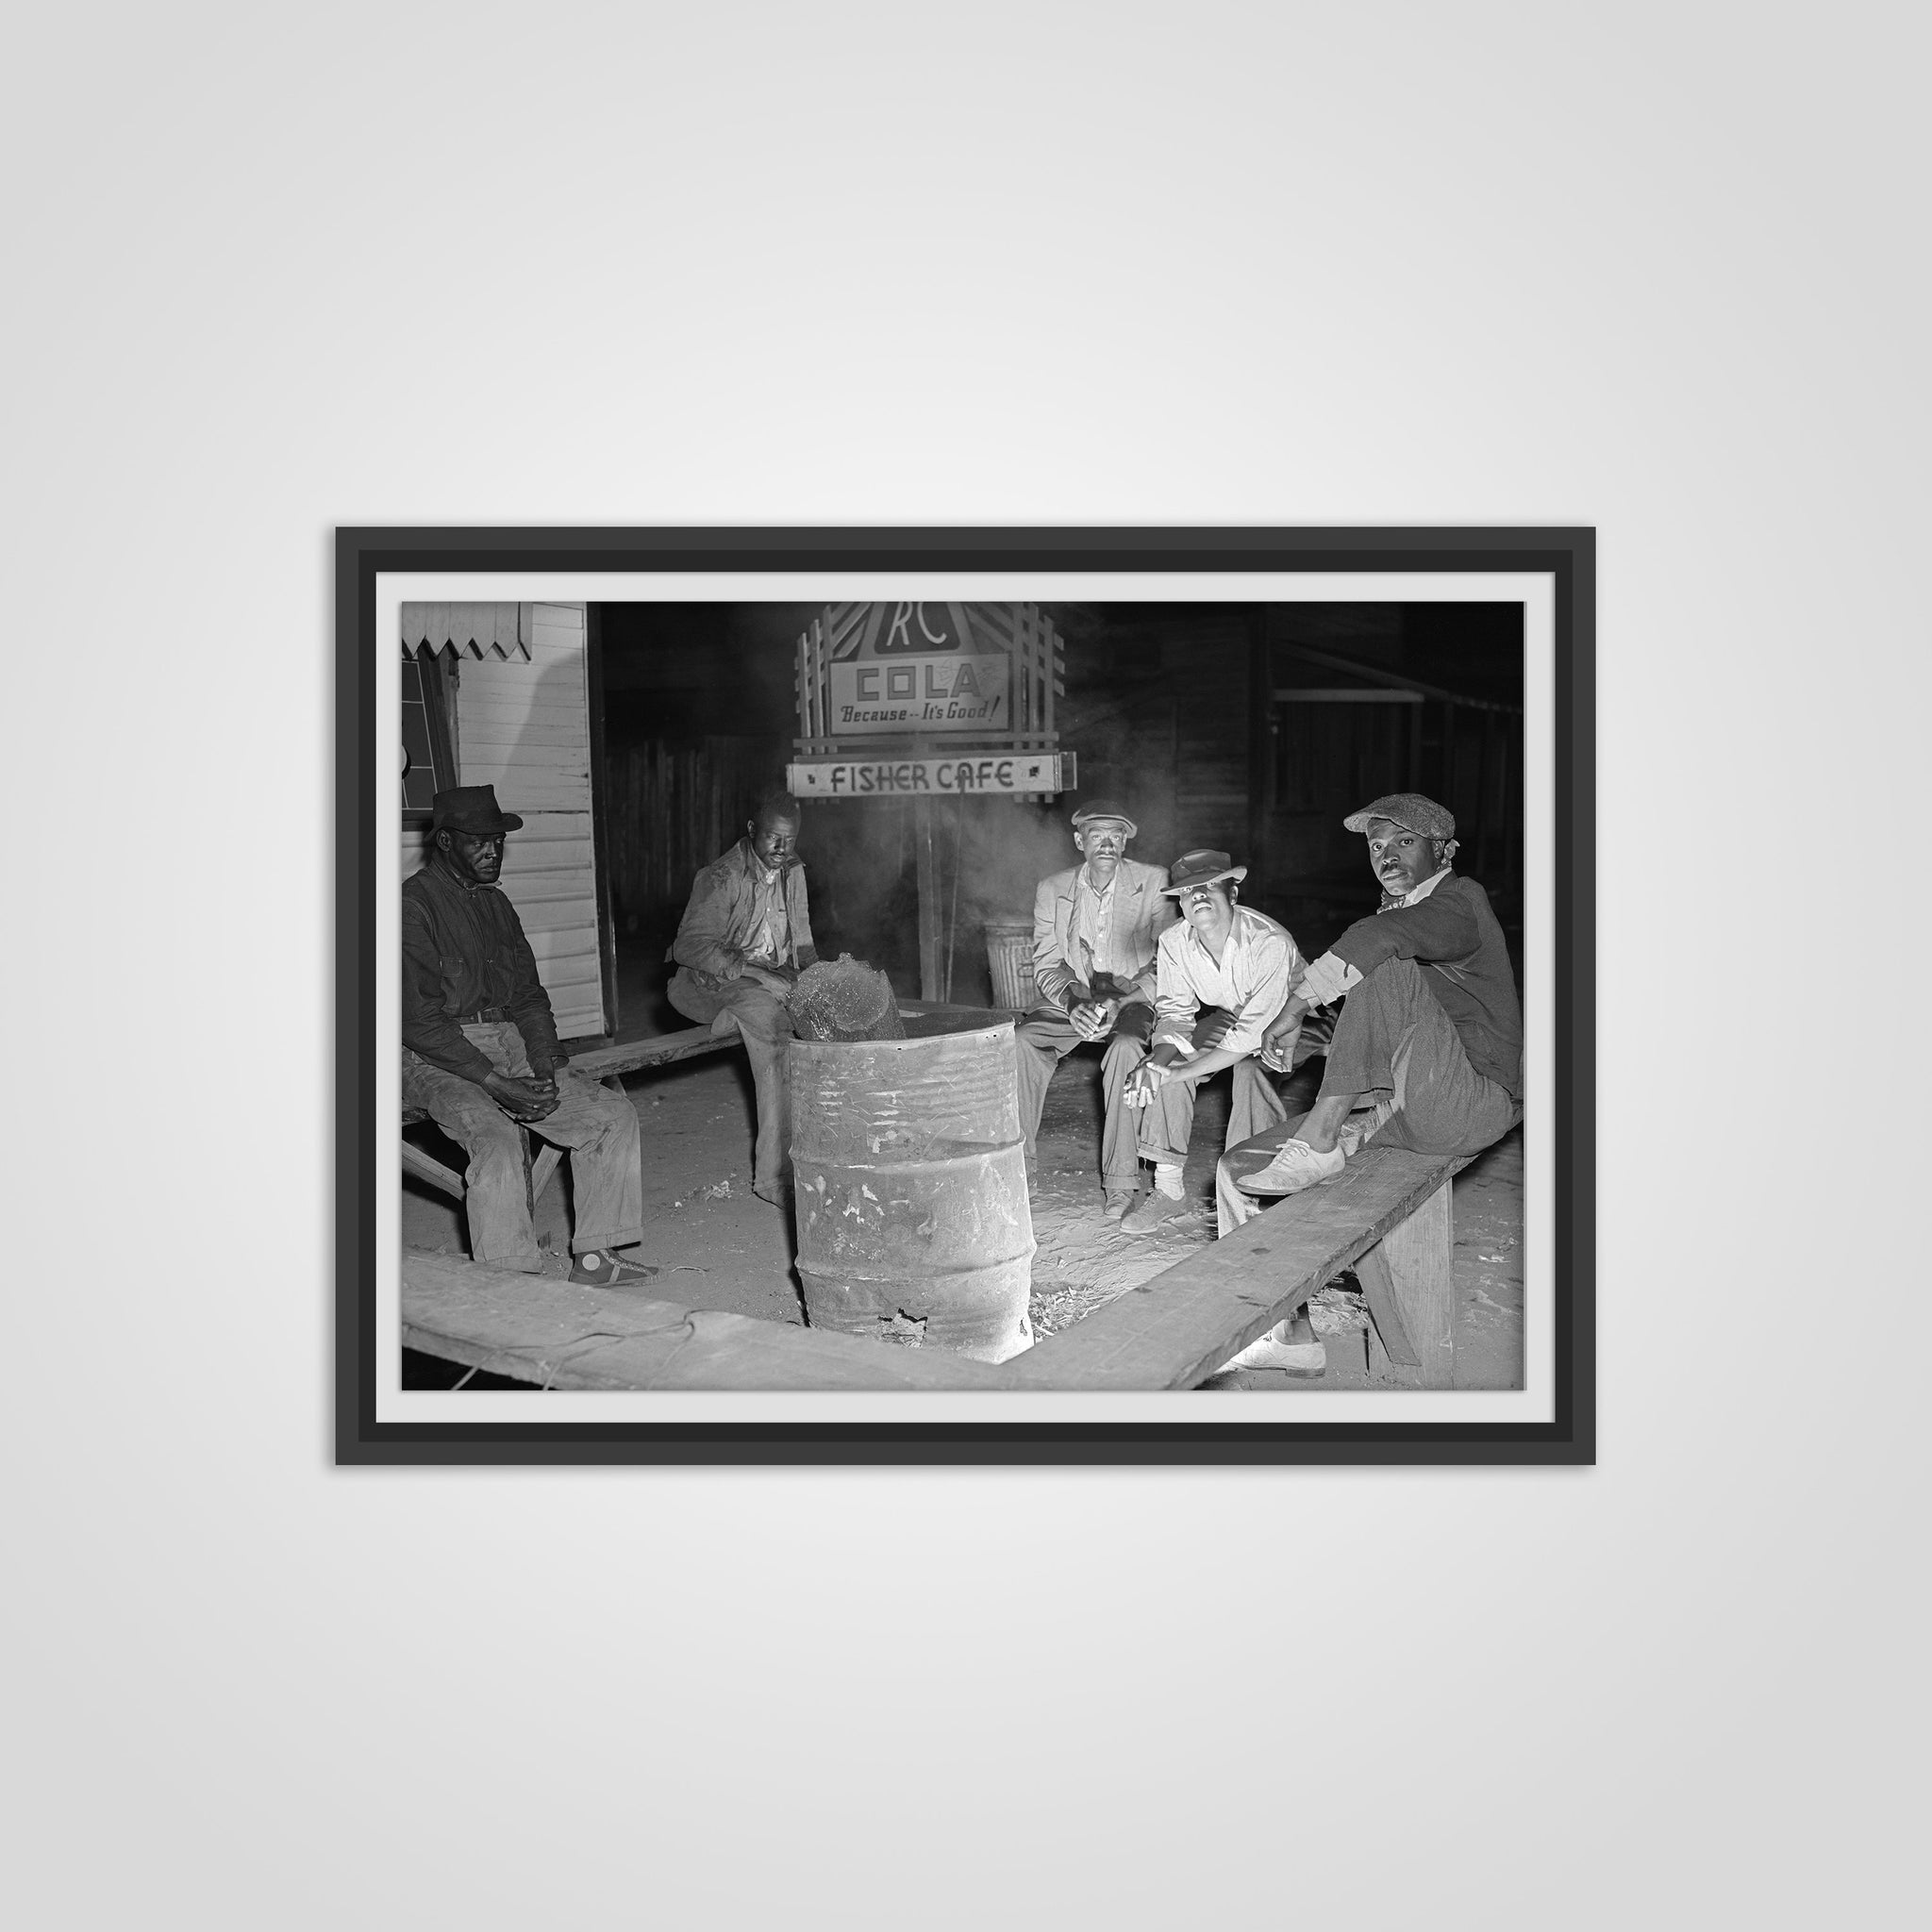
[1140, 911]
[465, 952]
[1454, 937]
[717, 924]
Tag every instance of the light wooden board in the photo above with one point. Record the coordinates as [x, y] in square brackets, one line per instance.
[602, 1062]
[562, 1337]
[1179, 1328]
[1409, 1281]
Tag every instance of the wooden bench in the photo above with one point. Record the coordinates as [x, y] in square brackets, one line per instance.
[611, 1063]
[1389, 1217]
[562, 1337]
[605, 1063]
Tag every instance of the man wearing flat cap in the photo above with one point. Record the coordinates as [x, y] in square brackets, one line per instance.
[1428, 1052]
[1094, 931]
[480, 1054]
[1222, 974]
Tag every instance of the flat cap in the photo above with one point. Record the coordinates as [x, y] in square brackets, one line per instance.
[1105, 808]
[1408, 810]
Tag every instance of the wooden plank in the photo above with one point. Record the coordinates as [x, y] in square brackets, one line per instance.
[519, 734]
[548, 886]
[574, 855]
[525, 794]
[563, 1337]
[659, 1051]
[559, 947]
[928, 900]
[1375, 695]
[547, 907]
[1174, 1330]
[1413, 1268]
[533, 768]
[426, 1167]
[542, 1168]
[1385, 1313]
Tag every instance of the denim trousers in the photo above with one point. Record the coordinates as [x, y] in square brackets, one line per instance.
[761, 1018]
[599, 1129]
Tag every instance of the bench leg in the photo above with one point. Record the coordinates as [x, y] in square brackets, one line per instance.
[542, 1168]
[1409, 1283]
[425, 1167]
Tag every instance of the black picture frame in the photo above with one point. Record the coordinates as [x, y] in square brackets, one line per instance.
[1564, 556]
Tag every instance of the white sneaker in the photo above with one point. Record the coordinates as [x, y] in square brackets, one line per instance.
[1291, 1347]
[1297, 1166]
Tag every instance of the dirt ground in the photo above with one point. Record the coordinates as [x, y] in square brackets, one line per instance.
[718, 1246]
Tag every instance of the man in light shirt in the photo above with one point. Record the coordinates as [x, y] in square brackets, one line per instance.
[1222, 974]
[1428, 1052]
[1094, 930]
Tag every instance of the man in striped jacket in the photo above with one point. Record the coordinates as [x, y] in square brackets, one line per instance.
[1094, 931]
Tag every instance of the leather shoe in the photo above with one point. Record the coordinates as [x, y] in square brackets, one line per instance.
[1155, 1213]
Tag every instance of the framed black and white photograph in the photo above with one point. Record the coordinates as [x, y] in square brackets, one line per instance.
[820, 819]
[954, 995]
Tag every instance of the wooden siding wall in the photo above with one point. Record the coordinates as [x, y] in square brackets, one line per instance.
[672, 806]
[1210, 664]
[525, 728]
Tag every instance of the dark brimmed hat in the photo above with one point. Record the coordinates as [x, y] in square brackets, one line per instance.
[1408, 810]
[1104, 809]
[471, 809]
[1202, 868]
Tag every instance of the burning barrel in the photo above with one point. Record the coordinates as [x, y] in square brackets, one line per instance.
[909, 1180]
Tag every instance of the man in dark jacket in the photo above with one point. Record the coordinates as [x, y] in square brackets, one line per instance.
[743, 940]
[1428, 1052]
[480, 1054]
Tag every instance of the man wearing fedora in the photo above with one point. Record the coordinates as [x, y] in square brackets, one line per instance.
[1223, 976]
[744, 939]
[480, 1054]
[1094, 931]
[1428, 1052]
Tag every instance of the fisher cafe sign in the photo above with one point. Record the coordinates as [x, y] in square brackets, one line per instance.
[1035, 772]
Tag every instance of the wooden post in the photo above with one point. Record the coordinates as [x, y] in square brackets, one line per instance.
[928, 901]
[1409, 1281]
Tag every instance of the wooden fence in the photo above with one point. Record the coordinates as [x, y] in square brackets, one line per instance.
[670, 807]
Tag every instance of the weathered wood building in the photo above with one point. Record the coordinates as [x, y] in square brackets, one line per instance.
[1253, 728]
[505, 695]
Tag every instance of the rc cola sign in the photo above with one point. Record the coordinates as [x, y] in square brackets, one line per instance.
[917, 669]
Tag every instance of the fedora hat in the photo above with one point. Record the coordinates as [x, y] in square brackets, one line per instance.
[1202, 868]
[471, 809]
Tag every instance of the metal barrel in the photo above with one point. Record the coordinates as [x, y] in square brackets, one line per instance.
[1009, 963]
[909, 1188]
